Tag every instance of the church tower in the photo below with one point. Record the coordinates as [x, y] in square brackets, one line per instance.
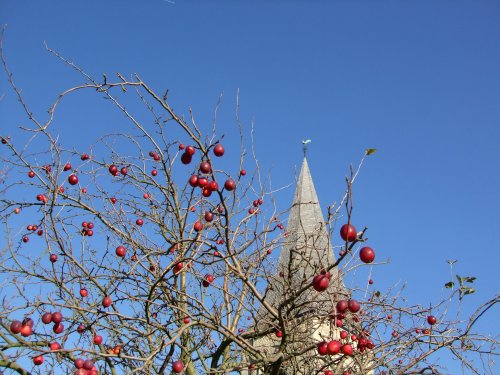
[302, 311]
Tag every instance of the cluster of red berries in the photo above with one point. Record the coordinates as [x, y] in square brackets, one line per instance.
[85, 367]
[87, 228]
[55, 318]
[25, 328]
[42, 198]
[113, 169]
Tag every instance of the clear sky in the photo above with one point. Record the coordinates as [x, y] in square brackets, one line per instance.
[418, 80]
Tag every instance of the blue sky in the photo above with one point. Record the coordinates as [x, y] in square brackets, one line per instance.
[418, 80]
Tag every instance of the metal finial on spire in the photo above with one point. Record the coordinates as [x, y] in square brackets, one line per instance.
[304, 145]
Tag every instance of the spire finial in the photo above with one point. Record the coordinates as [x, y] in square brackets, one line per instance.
[305, 142]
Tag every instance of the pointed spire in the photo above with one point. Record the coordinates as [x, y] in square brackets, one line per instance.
[305, 252]
[305, 214]
[308, 241]
[307, 248]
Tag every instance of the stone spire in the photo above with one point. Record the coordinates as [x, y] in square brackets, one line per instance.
[307, 248]
[305, 252]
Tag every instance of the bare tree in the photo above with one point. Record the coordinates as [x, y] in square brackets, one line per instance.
[156, 259]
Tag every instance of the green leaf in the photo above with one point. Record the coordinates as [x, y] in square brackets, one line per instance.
[469, 290]
[449, 285]
[370, 151]
[469, 279]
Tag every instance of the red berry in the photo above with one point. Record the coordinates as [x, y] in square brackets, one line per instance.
[58, 328]
[367, 255]
[348, 232]
[431, 319]
[55, 346]
[193, 180]
[205, 167]
[31, 174]
[209, 216]
[57, 317]
[190, 150]
[84, 292]
[88, 364]
[322, 348]
[177, 367]
[26, 330]
[97, 339]
[333, 347]
[186, 158]
[67, 167]
[15, 327]
[139, 222]
[198, 226]
[347, 349]
[320, 282]
[47, 318]
[213, 185]
[53, 258]
[113, 169]
[202, 182]
[178, 267]
[120, 251]
[28, 322]
[206, 192]
[38, 360]
[107, 301]
[219, 150]
[353, 305]
[229, 185]
[78, 363]
[208, 280]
